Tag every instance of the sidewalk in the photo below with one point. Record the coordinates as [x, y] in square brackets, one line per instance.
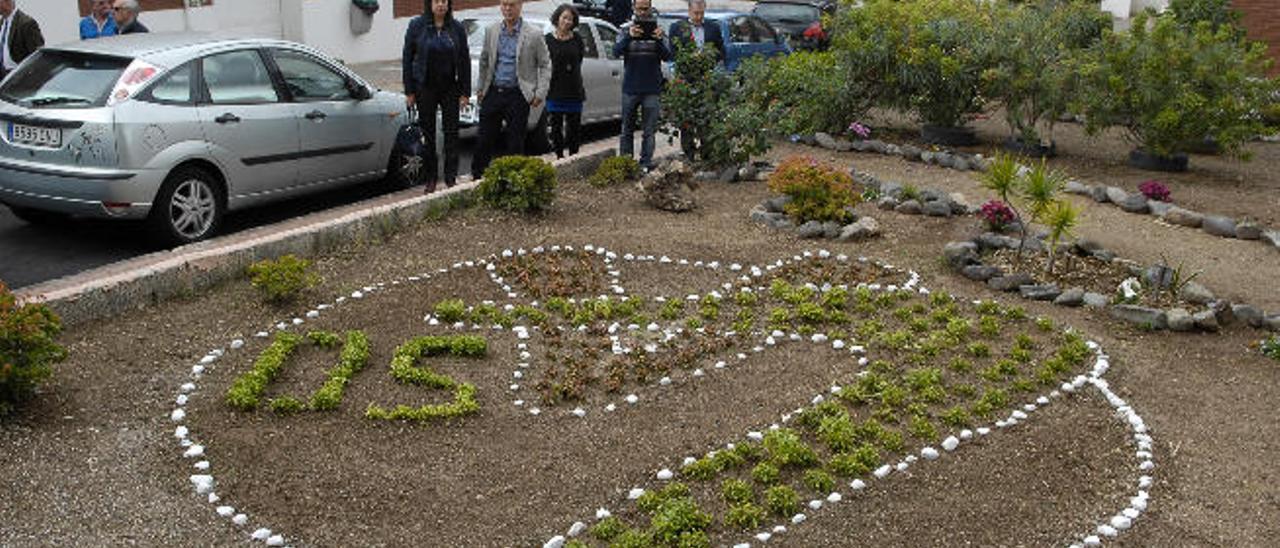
[386, 74]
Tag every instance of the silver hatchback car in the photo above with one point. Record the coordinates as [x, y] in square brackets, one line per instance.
[177, 129]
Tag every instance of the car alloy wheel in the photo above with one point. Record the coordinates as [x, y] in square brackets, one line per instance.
[193, 209]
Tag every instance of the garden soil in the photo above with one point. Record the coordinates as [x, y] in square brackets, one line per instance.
[93, 460]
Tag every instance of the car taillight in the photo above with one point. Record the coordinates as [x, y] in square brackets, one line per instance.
[137, 75]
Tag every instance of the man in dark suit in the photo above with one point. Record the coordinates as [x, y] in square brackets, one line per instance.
[126, 14]
[695, 32]
[19, 36]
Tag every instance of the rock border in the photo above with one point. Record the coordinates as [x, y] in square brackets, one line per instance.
[965, 258]
[1170, 214]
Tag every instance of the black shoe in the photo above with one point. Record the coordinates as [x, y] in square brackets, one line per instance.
[448, 183]
[429, 187]
[559, 154]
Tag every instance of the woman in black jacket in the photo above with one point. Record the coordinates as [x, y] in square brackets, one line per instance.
[437, 74]
[566, 95]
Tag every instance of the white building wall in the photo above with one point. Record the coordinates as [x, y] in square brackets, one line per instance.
[60, 19]
[326, 25]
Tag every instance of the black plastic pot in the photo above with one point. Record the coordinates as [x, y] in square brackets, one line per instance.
[1033, 150]
[962, 136]
[1142, 159]
[1207, 146]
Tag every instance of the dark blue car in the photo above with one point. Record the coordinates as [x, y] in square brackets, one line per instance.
[745, 35]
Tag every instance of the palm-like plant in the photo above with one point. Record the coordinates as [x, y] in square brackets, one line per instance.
[1039, 186]
[1061, 217]
[1002, 178]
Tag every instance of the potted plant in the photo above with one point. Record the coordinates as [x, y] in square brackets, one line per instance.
[1029, 74]
[1167, 87]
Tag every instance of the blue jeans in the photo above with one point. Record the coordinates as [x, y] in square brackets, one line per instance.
[626, 145]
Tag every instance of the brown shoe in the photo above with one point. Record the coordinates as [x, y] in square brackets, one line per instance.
[429, 187]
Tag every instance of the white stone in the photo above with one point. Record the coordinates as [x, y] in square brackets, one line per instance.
[1121, 523]
[929, 453]
[834, 497]
[1139, 504]
[577, 528]
[763, 537]
[857, 485]
[240, 519]
[1092, 540]
[610, 408]
[815, 504]
[275, 540]
[202, 465]
[798, 519]
[214, 498]
[755, 436]
[984, 431]
[635, 493]
[883, 471]
[181, 399]
[261, 534]
[1146, 465]
[698, 373]
[1042, 400]
[902, 466]
[602, 513]
[555, 542]
[237, 344]
[579, 412]
[197, 370]
[665, 381]
[194, 451]
[632, 398]
[202, 482]
[226, 511]
[665, 474]
[966, 434]
[950, 444]
[180, 432]
[779, 529]
[1107, 531]
[1131, 513]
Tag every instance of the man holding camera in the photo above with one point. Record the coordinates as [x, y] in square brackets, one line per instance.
[643, 49]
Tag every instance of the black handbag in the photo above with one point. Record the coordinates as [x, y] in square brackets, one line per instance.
[411, 146]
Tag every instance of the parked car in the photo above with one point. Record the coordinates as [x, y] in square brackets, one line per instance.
[745, 35]
[177, 129]
[601, 75]
[799, 20]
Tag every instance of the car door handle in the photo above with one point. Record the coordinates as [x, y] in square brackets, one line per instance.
[316, 115]
[227, 118]
[613, 72]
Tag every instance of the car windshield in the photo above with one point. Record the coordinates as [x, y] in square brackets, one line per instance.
[786, 13]
[64, 79]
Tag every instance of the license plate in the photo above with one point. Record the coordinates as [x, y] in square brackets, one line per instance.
[35, 135]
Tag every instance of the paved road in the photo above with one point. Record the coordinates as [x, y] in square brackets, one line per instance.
[32, 254]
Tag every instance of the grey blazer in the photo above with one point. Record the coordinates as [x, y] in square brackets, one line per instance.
[533, 61]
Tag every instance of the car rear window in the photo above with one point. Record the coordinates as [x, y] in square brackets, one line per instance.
[64, 79]
[787, 13]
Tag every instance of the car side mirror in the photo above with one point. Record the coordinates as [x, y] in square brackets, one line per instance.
[358, 91]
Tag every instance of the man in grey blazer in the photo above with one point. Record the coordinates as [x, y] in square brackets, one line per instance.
[515, 73]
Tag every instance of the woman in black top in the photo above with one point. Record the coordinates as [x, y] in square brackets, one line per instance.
[566, 95]
[437, 74]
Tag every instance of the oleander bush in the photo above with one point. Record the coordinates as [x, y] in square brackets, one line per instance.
[283, 279]
[522, 184]
[28, 348]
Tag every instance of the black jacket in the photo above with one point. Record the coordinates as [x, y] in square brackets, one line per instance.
[134, 27]
[566, 68]
[24, 36]
[420, 71]
[682, 37]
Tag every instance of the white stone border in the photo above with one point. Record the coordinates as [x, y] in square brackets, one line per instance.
[204, 481]
[1109, 529]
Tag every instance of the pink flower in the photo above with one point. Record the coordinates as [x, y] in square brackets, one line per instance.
[996, 214]
[1154, 190]
[860, 130]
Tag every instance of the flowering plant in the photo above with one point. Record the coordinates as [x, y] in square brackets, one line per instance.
[815, 33]
[1154, 190]
[860, 130]
[996, 214]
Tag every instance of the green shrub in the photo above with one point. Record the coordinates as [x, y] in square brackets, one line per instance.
[736, 491]
[286, 405]
[857, 463]
[451, 310]
[1168, 86]
[765, 473]
[818, 192]
[724, 111]
[615, 170]
[633, 538]
[922, 429]
[745, 516]
[782, 500]
[677, 517]
[653, 500]
[702, 469]
[518, 183]
[355, 354]
[955, 417]
[246, 390]
[805, 96]
[608, 528]
[786, 449]
[28, 348]
[819, 481]
[283, 279]
[1271, 347]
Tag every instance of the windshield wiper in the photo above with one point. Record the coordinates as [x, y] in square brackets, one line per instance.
[790, 21]
[61, 100]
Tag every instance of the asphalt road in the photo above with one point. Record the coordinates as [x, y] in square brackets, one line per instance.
[30, 254]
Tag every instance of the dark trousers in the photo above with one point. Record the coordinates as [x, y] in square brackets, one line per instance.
[689, 144]
[504, 116]
[565, 137]
[447, 101]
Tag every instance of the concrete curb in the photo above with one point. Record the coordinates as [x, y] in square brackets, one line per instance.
[135, 283]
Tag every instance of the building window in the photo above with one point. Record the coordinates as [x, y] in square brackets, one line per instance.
[410, 8]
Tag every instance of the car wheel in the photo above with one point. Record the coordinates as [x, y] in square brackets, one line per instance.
[37, 216]
[538, 142]
[188, 208]
[403, 170]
